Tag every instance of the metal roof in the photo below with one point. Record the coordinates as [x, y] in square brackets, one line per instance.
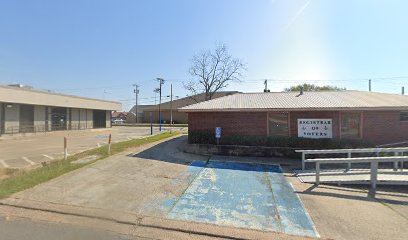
[9, 94]
[186, 101]
[291, 101]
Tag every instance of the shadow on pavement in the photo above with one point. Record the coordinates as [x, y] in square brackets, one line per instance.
[173, 151]
[384, 193]
[170, 151]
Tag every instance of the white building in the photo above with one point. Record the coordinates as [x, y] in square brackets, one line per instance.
[26, 110]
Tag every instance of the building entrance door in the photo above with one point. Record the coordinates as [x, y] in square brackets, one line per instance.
[99, 119]
[58, 119]
[26, 118]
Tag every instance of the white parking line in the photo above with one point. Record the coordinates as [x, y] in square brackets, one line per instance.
[28, 160]
[47, 156]
[4, 163]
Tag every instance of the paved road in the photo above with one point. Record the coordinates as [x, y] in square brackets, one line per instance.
[26, 151]
[24, 229]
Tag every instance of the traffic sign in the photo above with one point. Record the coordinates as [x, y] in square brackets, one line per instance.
[218, 132]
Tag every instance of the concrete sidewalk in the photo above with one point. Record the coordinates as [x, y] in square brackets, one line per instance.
[254, 196]
[354, 176]
[134, 181]
[125, 193]
[347, 212]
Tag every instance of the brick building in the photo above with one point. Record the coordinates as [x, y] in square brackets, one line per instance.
[119, 117]
[380, 118]
[169, 110]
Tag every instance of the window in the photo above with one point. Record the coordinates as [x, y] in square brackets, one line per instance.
[278, 124]
[404, 116]
[350, 125]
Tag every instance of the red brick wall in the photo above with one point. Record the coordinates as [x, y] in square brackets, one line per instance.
[231, 123]
[383, 127]
[294, 116]
[379, 127]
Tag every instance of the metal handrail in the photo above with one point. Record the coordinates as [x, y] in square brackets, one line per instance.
[396, 151]
[372, 160]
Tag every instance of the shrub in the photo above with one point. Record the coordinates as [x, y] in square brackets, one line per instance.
[208, 137]
[310, 143]
[244, 140]
[201, 137]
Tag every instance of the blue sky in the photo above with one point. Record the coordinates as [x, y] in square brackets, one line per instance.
[100, 48]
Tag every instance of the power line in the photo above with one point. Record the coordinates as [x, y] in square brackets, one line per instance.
[133, 99]
[325, 80]
[245, 80]
[91, 88]
[392, 81]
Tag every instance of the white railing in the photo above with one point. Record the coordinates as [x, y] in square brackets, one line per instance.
[349, 153]
[372, 160]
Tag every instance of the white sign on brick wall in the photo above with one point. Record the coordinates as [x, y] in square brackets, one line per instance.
[315, 128]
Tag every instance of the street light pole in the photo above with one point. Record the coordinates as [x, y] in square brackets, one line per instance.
[136, 91]
[161, 82]
[171, 105]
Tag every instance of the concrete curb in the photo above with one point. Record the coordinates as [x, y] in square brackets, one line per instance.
[159, 223]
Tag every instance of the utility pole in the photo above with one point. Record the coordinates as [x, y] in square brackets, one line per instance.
[171, 105]
[161, 82]
[136, 91]
[266, 86]
[151, 124]
[369, 85]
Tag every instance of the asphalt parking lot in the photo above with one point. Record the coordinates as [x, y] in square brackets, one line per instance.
[31, 150]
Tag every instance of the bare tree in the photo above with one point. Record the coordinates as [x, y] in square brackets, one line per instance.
[213, 71]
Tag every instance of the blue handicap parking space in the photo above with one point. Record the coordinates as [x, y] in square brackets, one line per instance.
[242, 195]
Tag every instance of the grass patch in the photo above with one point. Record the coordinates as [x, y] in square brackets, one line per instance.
[7, 172]
[28, 179]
